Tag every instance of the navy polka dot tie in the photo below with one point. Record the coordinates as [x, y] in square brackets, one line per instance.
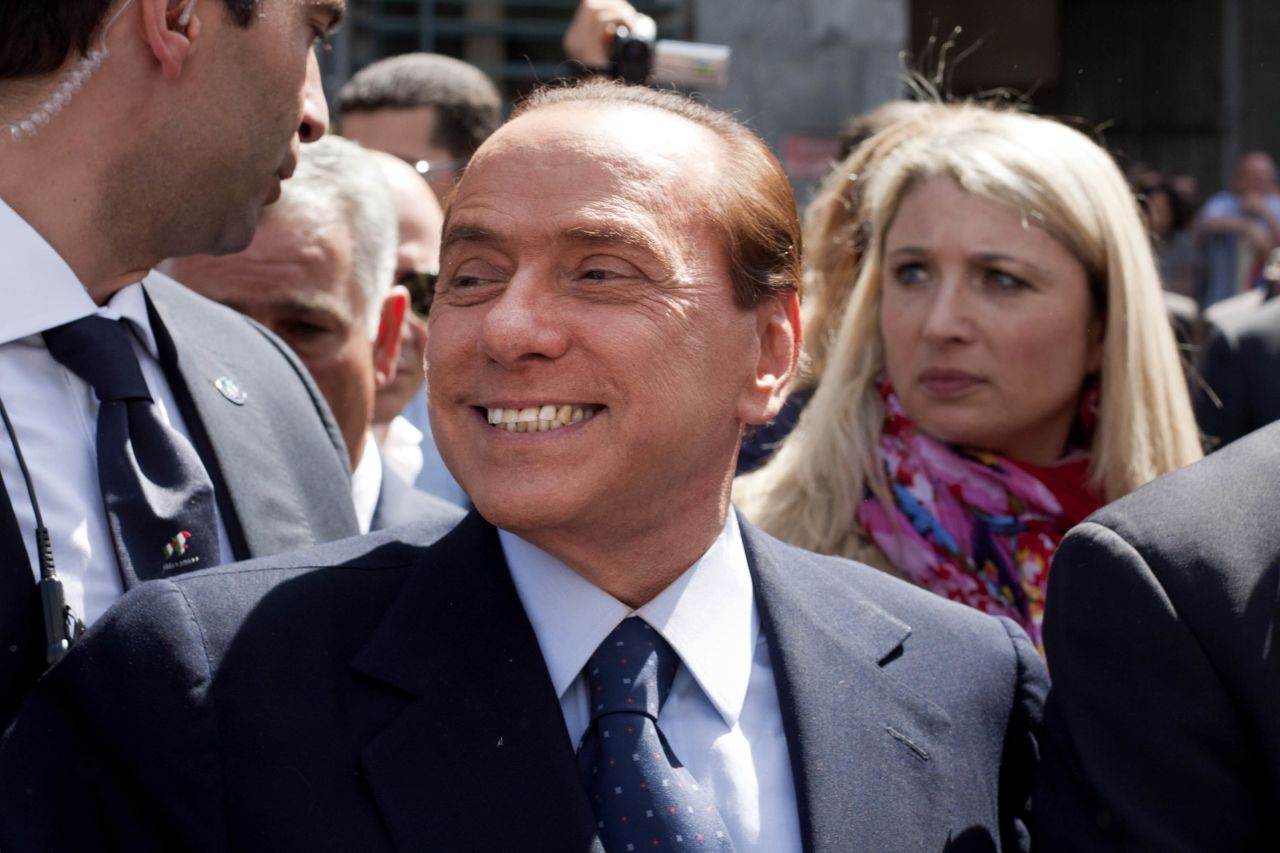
[643, 799]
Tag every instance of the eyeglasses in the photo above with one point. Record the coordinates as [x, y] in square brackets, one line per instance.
[422, 289]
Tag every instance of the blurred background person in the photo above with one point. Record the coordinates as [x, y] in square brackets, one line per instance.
[319, 274]
[429, 110]
[1170, 215]
[1003, 366]
[400, 422]
[1239, 227]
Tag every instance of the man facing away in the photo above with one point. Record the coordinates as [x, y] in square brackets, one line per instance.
[318, 273]
[603, 655]
[162, 433]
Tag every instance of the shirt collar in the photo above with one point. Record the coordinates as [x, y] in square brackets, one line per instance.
[42, 292]
[366, 483]
[38, 289]
[708, 616]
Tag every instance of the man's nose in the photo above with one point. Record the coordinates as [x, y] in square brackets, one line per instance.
[524, 324]
[315, 110]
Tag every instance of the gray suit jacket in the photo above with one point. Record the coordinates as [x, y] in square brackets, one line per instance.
[277, 460]
[385, 693]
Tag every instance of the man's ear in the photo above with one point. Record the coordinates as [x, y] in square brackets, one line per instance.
[386, 346]
[170, 29]
[778, 326]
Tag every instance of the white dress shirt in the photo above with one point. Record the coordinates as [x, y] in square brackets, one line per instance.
[432, 475]
[55, 414]
[402, 448]
[366, 483]
[722, 718]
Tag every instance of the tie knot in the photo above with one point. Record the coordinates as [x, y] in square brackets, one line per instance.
[631, 671]
[98, 351]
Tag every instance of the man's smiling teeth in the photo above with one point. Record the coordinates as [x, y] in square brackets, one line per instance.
[540, 418]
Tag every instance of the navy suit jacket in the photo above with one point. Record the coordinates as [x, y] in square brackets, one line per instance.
[1163, 726]
[277, 461]
[385, 693]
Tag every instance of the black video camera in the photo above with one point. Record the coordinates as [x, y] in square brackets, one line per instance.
[640, 57]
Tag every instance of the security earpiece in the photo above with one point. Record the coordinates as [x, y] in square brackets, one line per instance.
[185, 17]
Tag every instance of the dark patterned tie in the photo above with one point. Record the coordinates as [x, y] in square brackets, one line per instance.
[643, 799]
[157, 494]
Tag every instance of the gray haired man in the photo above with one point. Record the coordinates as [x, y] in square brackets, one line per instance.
[319, 274]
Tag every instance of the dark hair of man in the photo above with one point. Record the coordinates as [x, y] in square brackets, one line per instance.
[467, 105]
[39, 35]
[753, 203]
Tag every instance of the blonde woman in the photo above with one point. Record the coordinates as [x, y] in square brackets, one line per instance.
[1002, 368]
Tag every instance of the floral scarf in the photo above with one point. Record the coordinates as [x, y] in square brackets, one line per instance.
[970, 525]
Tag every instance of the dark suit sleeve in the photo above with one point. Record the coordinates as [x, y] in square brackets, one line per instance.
[1142, 751]
[1022, 742]
[116, 747]
[1221, 404]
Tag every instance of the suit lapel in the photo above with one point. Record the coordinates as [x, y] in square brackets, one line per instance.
[233, 440]
[864, 747]
[478, 756]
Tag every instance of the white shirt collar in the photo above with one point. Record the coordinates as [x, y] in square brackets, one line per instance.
[41, 291]
[708, 616]
[366, 483]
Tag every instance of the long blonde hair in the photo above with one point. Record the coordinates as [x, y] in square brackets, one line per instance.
[1062, 182]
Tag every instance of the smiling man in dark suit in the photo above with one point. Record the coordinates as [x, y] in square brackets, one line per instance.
[603, 654]
[163, 433]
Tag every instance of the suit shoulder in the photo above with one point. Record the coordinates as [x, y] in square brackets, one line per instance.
[1217, 499]
[223, 329]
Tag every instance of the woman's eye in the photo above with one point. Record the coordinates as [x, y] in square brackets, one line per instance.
[1004, 281]
[909, 273]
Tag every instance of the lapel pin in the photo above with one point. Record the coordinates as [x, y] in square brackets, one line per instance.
[229, 389]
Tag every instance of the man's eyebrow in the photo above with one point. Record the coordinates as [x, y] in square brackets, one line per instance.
[467, 234]
[605, 235]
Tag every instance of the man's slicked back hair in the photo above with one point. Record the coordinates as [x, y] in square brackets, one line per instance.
[39, 35]
[753, 204]
[468, 107]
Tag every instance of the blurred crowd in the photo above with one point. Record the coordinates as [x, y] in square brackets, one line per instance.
[522, 399]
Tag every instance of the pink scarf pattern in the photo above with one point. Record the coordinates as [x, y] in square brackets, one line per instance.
[970, 525]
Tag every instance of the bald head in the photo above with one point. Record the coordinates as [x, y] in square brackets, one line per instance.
[1255, 174]
[419, 214]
